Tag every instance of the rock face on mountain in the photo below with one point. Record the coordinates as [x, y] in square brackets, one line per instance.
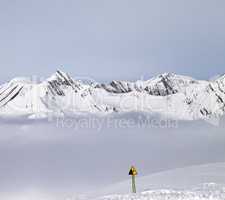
[162, 85]
[60, 79]
[58, 95]
[168, 94]
[122, 86]
[167, 84]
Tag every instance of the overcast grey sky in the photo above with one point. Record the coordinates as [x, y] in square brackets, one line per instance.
[117, 39]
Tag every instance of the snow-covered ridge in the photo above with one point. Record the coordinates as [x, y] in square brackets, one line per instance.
[162, 85]
[168, 94]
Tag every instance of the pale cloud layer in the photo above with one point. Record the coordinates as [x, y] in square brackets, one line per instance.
[41, 156]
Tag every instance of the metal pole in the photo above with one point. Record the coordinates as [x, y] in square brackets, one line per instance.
[133, 184]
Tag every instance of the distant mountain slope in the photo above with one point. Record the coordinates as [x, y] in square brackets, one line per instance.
[170, 95]
[162, 85]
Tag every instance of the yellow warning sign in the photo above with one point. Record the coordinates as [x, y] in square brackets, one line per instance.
[133, 171]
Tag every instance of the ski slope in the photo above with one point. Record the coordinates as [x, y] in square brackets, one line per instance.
[195, 182]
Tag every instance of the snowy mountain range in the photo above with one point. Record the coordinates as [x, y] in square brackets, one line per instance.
[170, 95]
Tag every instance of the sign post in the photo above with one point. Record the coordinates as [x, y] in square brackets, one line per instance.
[133, 173]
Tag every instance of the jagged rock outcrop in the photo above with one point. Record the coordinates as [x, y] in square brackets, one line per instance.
[167, 84]
[162, 85]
